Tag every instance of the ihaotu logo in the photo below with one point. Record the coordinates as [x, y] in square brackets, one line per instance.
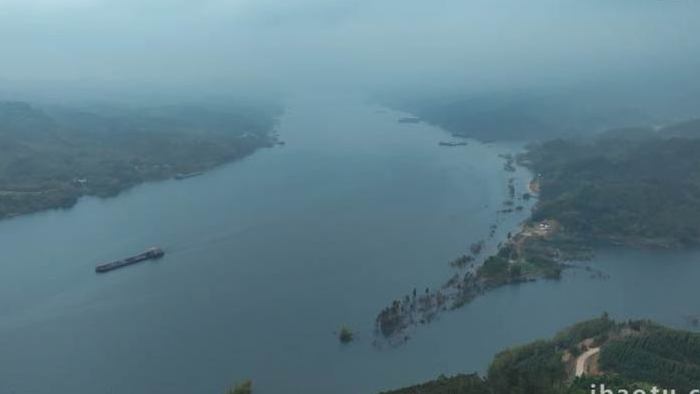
[601, 389]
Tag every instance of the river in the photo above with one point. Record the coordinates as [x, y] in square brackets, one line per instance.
[267, 257]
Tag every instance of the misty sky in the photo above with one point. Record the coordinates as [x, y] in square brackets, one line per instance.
[301, 44]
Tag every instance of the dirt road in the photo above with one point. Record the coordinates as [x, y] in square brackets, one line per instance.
[582, 360]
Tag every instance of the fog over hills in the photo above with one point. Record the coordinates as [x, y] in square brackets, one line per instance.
[323, 180]
[64, 48]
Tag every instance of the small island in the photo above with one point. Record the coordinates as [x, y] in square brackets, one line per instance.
[180, 177]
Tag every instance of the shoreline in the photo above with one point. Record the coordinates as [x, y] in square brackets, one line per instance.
[540, 248]
[472, 276]
[67, 198]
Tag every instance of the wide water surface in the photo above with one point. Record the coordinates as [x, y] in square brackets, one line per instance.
[268, 256]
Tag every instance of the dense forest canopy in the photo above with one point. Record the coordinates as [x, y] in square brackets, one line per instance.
[628, 186]
[635, 354]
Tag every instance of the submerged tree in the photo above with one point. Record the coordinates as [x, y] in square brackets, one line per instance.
[346, 335]
[245, 387]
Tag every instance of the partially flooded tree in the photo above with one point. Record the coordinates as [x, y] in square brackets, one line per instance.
[346, 335]
[245, 387]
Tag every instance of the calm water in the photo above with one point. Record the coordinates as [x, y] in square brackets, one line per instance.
[268, 256]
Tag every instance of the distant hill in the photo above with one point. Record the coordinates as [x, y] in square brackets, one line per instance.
[688, 129]
[523, 115]
[485, 121]
[49, 158]
[630, 134]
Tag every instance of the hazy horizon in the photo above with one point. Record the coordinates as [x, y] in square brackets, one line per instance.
[91, 48]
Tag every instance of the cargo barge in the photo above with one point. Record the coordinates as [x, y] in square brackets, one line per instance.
[150, 254]
[443, 143]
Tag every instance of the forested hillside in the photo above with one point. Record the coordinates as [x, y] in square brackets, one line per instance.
[48, 159]
[666, 357]
[636, 354]
[632, 186]
[538, 114]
